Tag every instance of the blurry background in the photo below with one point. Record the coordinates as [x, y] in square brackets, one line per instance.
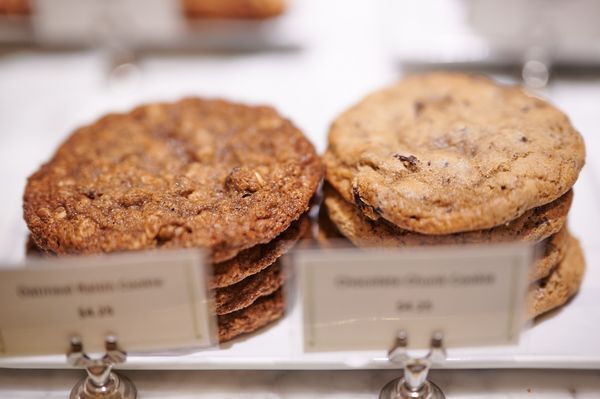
[64, 63]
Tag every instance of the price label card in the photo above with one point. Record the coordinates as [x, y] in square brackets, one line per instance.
[355, 299]
[155, 300]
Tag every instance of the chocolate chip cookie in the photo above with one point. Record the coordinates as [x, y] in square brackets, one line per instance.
[561, 285]
[441, 153]
[554, 250]
[534, 225]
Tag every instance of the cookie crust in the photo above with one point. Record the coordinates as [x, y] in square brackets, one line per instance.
[533, 226]
[255, 259]
[246, 292]
[561, 285]
[555, 249]
[262, 312]
[441, 153]
[194, 173]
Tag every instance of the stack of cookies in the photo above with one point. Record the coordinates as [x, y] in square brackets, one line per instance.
[232, 179]
[449, 158]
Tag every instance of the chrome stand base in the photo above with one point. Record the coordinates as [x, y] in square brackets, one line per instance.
[398, 389]
[116, 388]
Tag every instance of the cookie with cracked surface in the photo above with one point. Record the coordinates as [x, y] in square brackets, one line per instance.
[255, 259]
[441, 153]
[534, 225]
[262, 312]
[193, 173]
[246, 292]
[561, 285]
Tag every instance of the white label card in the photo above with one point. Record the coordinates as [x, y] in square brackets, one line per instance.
[150, 301]
[357, 299]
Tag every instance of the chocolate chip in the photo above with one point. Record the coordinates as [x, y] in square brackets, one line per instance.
[363, 205]
[524, 139]
[91, 193]
[419, 106]
[357, 200]
[409, 162]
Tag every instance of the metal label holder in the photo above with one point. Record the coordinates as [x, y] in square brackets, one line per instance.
[101, 382]
[414, 383]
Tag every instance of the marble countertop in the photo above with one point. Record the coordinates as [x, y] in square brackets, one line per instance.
[493, 384]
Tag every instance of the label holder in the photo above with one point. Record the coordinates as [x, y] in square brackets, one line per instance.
[414, 384]
[101, 382]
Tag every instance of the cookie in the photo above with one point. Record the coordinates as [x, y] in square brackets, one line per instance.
[31, 249]
[255, 259]
[236, 9]
[246, 263]
[441, 153]
[562, 284]
[15, 7]
[327, 234]
[262, 312]
[532, 226]
[195, 173]
[554, 249]
[243, 294]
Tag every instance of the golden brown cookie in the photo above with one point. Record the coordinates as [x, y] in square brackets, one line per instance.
[195, 173]
[243, 294]
[532, 226]
[441, 153]
[562, 284]
[246, 263]
[236, 9]
[262, 312]
[255, 259]
[554, 251]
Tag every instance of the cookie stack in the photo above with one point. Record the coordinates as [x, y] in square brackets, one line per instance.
[449, 158]
[232, 179]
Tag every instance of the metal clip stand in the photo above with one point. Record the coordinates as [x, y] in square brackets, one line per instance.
[414, 384]
[101, 382]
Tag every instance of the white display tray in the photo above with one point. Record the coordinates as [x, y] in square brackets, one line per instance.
[566, 338]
